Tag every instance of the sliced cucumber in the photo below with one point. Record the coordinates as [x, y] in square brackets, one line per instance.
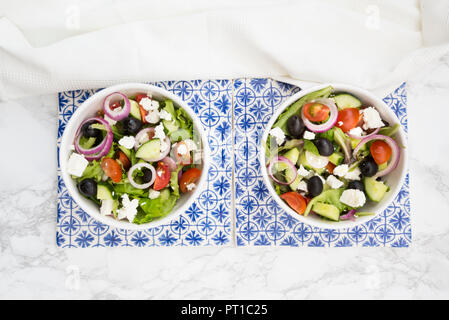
[149, 150]
[103, 192]
[327, 210]
[336, 158]
[292, 155]
[135, 110]
[361, 214]
[179, 135]
[346, 100]
[375, 190]
[289, 175]
[127, 152]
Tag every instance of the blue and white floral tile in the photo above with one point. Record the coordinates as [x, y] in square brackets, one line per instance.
[259, 219]
[207, 222]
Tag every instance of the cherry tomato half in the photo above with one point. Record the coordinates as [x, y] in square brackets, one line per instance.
[121, 156]
[162, 176]
[112, 169]
[296, 201]
[381, 151]
[190, 176]
[348, 118]
[140, 96]
[316, 111]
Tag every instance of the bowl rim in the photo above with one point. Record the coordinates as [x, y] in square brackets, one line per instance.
[337, 87]
[77, 117]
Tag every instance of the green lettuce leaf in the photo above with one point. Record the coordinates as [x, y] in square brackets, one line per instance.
[150, 209]
[93, 170]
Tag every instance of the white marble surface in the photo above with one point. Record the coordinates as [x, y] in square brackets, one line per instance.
[31, 266]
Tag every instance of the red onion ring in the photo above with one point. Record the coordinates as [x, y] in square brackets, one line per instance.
[329, 123]
[363, 137]
[138, 166]
[349, 216]
[170, 163]
[96, 149]
[141, 134]
[286, 161]
[105, 151]
[395, 153]
[113, 114]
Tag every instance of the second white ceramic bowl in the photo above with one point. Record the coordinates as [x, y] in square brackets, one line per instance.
[394, 180]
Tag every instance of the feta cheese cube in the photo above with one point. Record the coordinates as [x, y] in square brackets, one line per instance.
[76, 164]
[182, 149]
[303, 186]
[309, 135]
[353, 174]
[278, 134]
[371, 119]
[164, 146]
[128, 209]
[127, 142]
[333, 182]
[153, 194]
[148, 105]
[303, 172]
[159, 132]
[353, 198]
[341, 170]
[155, 104]
[165, 115]
[357, 131]
[153, 116]
[106, 207]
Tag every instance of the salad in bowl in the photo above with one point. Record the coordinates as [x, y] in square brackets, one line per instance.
[334, 156]
[132, 156]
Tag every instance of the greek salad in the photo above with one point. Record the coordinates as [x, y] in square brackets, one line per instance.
[136, 157]
[328, 154]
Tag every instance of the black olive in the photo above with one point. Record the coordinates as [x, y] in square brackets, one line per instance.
[368, 167]
[131, 125]
[324, 146]
[314, 186]
[356, 185]
[88, 187]
[295, 126]
[147, 175]
[90, 132]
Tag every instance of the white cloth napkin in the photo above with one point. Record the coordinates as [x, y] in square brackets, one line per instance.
[368, 43]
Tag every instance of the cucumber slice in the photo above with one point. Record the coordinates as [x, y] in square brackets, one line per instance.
[289, 175]
[346, 100]
[179, 135]
[292, 155]
[336, 158]
[327, 210]
[103, 192]
[127, 152]
[375, 190]
[361, 214]
[149, 150]
[135, 110]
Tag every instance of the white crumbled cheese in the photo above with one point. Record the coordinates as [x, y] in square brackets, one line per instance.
[143, 138]
[316, 161]
[309, 135]
[127, 142]
[159, 132]
[106, 207]
[278, 134]
[128, 209]
[155, 104]
[76, 164]
[357, 131]
[340, 123]
[303, 172]
[191, 144]
[109, 120]
[197, 157]
[333, 182]
[153, 116]
[153, 194]
[165, 115]
[164, 146]
[303, 186]
[190, 186]
[341, 170]
[353, 198]
[371, 119]
[353, 174]
[182, 149]
[148, 105]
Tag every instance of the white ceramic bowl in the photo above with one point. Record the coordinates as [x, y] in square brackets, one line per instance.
[89, 108]
[394, 180]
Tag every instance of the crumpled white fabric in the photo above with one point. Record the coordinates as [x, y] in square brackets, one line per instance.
[367, 43]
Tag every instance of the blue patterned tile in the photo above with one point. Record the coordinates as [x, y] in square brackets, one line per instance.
[259, 220]
[207, 221]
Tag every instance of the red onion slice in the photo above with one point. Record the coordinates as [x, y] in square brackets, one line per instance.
[139, 166]
[395, 153]
[363, 137]
[105, 151]
[329, 123]
[143, 136]
[96, 149]
[283, 160]
[170, 163]
[349, 216]
[114, 114]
